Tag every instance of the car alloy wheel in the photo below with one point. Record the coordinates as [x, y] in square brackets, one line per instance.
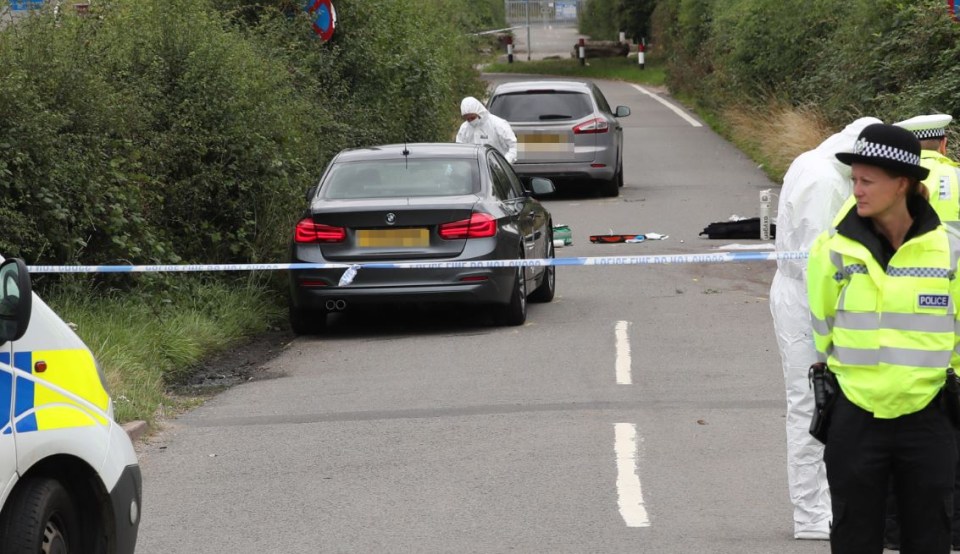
[514, 312]
[548, 285]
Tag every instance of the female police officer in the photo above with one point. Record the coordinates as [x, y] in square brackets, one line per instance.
[883, 298]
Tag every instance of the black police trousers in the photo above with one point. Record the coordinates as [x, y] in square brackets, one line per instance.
[917, 451]
[892, 531]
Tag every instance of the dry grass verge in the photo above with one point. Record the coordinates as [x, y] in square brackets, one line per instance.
[776, 133]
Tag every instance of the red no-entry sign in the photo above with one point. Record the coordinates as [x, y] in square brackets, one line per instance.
[323, 16]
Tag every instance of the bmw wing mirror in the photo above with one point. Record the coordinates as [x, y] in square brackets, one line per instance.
[16, 298]
[623, 111]
[540, 185]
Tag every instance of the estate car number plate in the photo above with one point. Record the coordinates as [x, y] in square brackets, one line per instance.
[387, 238]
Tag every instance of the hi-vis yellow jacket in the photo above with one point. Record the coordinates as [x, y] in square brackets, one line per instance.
[944, 186]
[888, 333]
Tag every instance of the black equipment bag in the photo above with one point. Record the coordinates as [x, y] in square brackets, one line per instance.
[743, 229]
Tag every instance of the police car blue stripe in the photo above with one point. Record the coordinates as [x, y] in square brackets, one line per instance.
[25, 397]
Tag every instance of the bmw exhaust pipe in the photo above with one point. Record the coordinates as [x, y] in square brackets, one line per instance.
[335, 305]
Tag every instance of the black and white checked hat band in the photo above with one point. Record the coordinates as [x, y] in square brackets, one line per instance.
[930, 134]
[863, 147]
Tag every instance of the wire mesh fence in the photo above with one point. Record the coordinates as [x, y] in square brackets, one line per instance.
[543, 12]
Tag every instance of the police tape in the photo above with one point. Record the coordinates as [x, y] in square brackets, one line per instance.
[718, 257]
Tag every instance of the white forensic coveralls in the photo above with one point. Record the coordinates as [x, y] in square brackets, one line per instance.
[814, 188]
[487, 129]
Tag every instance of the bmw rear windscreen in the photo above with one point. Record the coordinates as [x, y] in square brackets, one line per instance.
[541, 106]
[402, 178]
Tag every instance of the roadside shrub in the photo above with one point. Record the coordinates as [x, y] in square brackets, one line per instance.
[886, 58]
[760, 48]
[599, 19]
[169, 130]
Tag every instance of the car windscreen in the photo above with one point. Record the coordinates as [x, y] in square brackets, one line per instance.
[546, 105]
[393, 178]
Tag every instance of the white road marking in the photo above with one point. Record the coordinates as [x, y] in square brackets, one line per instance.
[629, 492]
[623, 363]
[675, 109]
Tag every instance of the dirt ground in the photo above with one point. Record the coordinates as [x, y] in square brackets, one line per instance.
[248, 361]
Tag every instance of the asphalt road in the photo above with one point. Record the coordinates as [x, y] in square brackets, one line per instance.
[641, 411]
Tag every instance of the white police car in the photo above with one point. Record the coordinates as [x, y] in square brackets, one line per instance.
[69, 477]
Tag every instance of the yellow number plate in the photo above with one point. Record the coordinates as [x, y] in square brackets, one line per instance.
[381, 238]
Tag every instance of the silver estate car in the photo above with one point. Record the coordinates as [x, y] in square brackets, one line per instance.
[565, 131]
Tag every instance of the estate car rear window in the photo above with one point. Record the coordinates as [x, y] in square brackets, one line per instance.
[541, 105]
[404, 178]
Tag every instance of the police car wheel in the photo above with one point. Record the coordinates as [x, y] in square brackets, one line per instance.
[41, 517]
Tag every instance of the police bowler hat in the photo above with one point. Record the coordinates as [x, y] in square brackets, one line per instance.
[889, 147]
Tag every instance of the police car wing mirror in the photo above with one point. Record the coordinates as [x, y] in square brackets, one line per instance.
[541, 185]
[16, 299]
[622, 111]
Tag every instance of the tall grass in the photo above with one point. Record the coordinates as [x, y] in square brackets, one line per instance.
[774, 134]
[144, 344]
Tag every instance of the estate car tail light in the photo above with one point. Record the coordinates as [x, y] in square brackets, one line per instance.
[478, 226]
[309, 232]
[593, 126]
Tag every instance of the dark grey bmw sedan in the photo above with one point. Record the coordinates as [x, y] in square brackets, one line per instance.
[423, 202]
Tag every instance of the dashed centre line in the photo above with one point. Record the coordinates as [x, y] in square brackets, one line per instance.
[629, 491]
[623, 362]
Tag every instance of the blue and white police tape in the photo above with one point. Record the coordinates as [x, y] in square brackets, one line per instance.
[716, 257]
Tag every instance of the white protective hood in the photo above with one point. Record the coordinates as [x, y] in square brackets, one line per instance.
[815, 187]
[490, 130]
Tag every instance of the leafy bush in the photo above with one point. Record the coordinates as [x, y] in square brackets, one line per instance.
[887, 58]
[599, 19]
[605, 19]
[168, 130]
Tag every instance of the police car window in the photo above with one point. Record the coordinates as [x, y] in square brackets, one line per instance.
[501, 183]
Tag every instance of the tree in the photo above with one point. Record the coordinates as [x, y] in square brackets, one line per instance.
[634, 16]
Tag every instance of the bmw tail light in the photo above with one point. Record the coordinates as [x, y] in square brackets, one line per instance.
[478, 226]
[308, 232]
[595, 125]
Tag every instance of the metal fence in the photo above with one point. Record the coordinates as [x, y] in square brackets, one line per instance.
[545, 12]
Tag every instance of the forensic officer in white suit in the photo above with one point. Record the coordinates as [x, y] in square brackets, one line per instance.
[482, 127]
[814, 188]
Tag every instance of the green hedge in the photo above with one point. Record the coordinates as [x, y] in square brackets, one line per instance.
[888, 58]
[188, 130]
[605, 19]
